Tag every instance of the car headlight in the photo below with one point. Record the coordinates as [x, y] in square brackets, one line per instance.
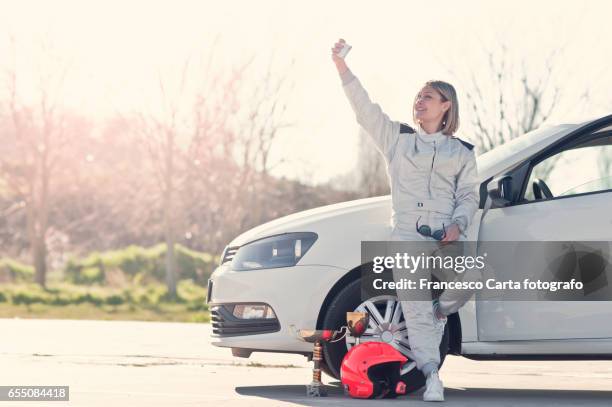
[272, 252]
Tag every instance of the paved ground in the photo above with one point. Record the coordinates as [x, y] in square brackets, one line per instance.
[115, 363]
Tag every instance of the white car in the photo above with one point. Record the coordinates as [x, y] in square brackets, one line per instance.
[302, 271]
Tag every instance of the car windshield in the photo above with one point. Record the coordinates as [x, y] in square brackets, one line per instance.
[501, 152]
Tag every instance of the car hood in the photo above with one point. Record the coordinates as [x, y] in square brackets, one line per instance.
[300, 221]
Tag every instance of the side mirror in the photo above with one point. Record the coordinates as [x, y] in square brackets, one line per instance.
[501, 192]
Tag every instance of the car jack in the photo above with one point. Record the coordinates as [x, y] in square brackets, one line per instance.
[357, 323]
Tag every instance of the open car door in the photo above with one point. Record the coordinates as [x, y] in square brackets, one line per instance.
[561, 193]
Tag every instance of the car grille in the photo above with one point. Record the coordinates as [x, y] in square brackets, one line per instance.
[229, 253]
[224, 323]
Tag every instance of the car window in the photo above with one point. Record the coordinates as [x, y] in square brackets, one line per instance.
[575, 171]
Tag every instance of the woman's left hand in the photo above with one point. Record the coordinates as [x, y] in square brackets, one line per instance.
[452, 233]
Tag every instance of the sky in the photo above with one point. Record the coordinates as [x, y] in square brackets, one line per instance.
[116, 49]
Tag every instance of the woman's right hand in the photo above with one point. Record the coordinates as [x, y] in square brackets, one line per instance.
[340, 63]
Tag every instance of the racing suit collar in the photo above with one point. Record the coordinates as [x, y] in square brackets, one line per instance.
[429, 138]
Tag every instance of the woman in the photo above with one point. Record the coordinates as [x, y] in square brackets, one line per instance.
[433, 191]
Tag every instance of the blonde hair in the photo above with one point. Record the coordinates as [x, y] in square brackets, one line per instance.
[450, 120]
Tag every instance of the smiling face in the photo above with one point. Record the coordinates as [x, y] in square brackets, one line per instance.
[430, 106]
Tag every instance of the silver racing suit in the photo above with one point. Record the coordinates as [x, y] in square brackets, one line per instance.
[433, 178]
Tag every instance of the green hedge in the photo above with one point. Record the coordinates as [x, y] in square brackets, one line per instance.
[148, 296]
[141, 265]
[16, 271]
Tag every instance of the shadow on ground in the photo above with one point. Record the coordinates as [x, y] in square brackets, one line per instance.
[454, 397]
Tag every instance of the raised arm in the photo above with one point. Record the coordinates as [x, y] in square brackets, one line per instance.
[382, 130]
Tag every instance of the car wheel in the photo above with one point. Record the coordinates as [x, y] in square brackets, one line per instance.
[392, 330]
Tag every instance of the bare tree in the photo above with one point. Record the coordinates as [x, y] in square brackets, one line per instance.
[103, 189]
[33, 139]
[239, 116]
[183, 137]
[372, 173]
[160, 134]
[512, 99]
[509, 101]
[264, 110]
[369, 176]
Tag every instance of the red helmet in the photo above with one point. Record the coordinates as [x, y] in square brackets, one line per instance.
[372, 370]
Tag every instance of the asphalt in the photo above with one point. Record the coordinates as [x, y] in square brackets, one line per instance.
[125, 363]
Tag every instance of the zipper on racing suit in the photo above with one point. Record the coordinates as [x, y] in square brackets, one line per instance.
[433, 158]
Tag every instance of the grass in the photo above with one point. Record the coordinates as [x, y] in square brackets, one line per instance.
[167, 313]
[137, 303]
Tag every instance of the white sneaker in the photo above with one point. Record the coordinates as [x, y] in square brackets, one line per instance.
[435, 389]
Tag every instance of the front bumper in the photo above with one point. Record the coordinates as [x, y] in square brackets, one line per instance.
[294, 293]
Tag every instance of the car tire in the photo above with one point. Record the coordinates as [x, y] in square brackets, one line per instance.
[348, 299]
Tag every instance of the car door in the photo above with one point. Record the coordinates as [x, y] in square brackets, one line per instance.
[578, 172]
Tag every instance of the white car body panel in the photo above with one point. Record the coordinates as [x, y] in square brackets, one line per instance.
[541, 347]
[582, 218]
